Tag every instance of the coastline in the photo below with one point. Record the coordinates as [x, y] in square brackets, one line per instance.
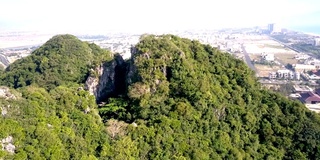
[312, 34]
[309, 30]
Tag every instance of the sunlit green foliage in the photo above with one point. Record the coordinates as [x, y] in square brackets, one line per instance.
[186, 101]
[192, 101]
[61, 60]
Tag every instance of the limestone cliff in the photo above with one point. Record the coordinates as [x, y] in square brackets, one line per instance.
[131, 72]
[107, 79]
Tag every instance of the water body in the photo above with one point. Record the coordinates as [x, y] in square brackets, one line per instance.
[307, 29]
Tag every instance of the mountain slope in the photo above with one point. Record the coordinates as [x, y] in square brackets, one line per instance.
[174, 99]
[60, 124]
[193, 101]
[61, 60]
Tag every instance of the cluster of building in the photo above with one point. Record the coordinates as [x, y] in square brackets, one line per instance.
[308, 96]
[297, 70]
[271, 28]
[121, 43]
[297, 74]
[301, 57]
[118, 43]
[228, 40]
[284, 74]
[10, 55]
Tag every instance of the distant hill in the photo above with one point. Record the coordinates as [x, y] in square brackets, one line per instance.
[174, 99]
[62, 59]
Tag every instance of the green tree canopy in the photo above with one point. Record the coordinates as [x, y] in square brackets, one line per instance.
[176, 99]
[61, 60]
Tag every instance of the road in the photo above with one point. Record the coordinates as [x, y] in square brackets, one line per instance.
[284, 44]
[279, 82]
[294, 49]
[247, 58]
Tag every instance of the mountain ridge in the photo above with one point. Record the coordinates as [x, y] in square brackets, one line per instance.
[174, 99]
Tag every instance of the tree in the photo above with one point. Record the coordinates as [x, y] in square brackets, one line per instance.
[116, 128]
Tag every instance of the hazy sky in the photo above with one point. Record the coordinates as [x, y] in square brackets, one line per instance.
[151, 15]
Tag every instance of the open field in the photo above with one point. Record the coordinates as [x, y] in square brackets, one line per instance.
[285, 58]
[267, 48]
[255, 46]
[255, 56]
[276, 46]
[262, 44]
[264, 70]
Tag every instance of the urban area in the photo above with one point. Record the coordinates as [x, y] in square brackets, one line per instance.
[284, 61]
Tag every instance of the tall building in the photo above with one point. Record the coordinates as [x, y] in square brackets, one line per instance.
[270, 27]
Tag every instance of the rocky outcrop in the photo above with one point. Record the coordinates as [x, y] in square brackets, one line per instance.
[107, 79]
[92, 83]
[7, 144]
[131, 76]
[5, 93]
[4, 110]
[112, 78]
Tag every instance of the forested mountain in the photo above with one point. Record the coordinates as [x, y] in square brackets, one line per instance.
[174, 99]
[60, 60]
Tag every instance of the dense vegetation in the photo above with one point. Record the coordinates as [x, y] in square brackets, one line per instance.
[61, 60]
[307, 48]
[185, 100]
[52, 125]
[300, 42]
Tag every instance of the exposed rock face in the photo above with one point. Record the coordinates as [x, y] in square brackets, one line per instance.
[109, 79]
[92, 82]
[4, 110]
[5, 93]
[112, 78]
[7, 144]
[131, 68]
[131, 72]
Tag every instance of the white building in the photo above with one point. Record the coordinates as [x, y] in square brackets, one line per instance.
[272, 75]
[285, 74]
[301, 56]
[314, 62]
[297, 75]
[303, 67]
[314, 77]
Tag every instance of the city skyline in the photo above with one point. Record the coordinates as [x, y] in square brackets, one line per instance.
[142, 15]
